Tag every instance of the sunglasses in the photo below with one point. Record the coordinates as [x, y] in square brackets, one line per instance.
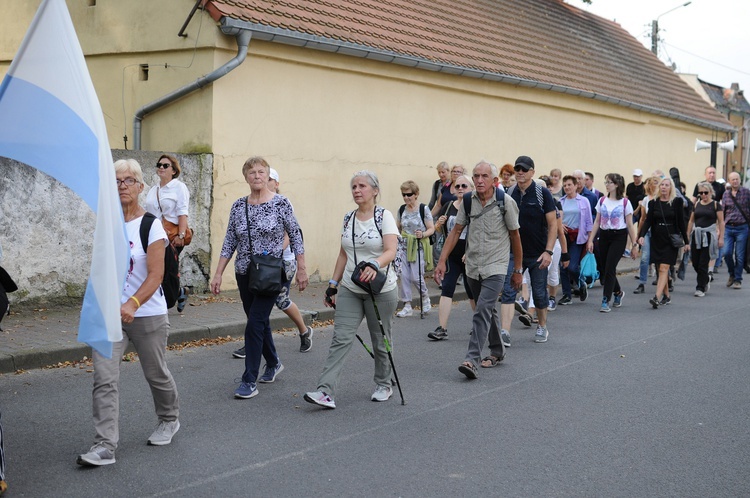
[407, 194]
[703, 193]
[520, 168]
[164, 165]
[462, 186]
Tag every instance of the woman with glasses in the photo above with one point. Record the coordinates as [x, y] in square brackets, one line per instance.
[169, 202]
[705, 230]
[614, 222]
[144, 323]
[665, 218]
[415, 223]
[456, 268]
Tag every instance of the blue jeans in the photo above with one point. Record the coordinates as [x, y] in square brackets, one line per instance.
[571, 272]
[735, 239]
[258, 337]
[645, 255]
[537, 282]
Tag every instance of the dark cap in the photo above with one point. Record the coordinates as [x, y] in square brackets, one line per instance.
[525, 162]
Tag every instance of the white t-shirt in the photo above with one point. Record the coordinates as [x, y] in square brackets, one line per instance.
[174, 198]
[613, 213]
[369, 246]
[137, 269]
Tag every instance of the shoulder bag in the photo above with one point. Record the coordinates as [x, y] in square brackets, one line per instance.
[265, 274]
[172, 229]
[374, 286]
[674, 238]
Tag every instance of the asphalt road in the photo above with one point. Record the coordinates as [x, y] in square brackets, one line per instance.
[637, 402]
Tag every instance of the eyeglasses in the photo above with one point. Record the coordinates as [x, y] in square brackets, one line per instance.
[609, 183]
[127, 181]
[407, 194]
[703, 193]
[462, 186]
[163, 165]
[520, 168]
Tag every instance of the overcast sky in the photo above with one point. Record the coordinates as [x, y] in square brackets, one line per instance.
[710, 38]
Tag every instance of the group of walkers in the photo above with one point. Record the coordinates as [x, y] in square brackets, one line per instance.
[495, 230]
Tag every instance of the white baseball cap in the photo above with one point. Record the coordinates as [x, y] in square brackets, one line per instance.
[274, 175]
[637, 172]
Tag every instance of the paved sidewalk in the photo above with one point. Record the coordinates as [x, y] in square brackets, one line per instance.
[36, 338]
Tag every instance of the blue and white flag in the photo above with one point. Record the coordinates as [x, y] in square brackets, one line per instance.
[50, 119]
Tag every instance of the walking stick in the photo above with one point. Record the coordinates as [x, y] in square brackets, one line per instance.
[419, 284]
[387, 347]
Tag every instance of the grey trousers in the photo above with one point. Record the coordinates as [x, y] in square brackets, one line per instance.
[486, 321]
[351, 308]
[149, 337]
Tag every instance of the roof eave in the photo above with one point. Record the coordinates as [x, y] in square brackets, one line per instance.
[297, 39]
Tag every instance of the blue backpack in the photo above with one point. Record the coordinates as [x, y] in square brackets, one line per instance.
[588, 272]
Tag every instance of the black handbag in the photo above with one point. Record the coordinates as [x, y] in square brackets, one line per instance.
[375, 285]
[674, 238]
[265, 273]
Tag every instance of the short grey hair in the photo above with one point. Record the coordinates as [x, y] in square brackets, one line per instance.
[372, 179]
[493, 168]
[130, 166]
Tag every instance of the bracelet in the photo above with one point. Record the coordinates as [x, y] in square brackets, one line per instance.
[137, 302]
[375, 263]
[333, 283]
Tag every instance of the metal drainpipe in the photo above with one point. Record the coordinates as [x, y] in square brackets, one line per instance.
[242, 36]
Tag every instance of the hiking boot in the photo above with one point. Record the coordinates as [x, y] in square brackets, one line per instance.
[246, 390]
[438, 334]
[270, 374]
[584, 292]
[552, 306]
[240, 353]
[321, 399]
[382, 393]
[405, 311]
[96, 456]
[565, 300]
[639, 290]
[541, 334]
[605, 306]
[505, 337]
[305, 340]
[164, 433]
[618, 299]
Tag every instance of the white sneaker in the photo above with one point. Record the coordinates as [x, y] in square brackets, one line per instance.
[96, 456]
[320, 398]
[382, 393]
[164, 433]
[426, 306]
[405, 311]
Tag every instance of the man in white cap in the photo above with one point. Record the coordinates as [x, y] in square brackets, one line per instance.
[635, 191]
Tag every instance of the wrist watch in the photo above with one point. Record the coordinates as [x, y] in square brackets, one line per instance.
[181, 235]
[549, 252]
[518, 270]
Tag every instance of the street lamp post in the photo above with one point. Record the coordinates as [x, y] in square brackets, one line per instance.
[655, 28]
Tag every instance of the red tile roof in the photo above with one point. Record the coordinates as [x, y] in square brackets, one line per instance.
[545, 41]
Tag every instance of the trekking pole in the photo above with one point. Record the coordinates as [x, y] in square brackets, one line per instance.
[387, 347]
[419, 284]
[367, 348]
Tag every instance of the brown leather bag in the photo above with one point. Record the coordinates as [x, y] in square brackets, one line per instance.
[172, 229]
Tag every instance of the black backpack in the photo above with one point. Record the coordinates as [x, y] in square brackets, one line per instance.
[422, 207]
[170, 284]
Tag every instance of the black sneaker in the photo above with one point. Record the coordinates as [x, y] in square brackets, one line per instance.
[584, 292]
[671, 285]
[182, 300]
[564, 301]
[526, 319]
[438, 334]
[654, 302]
[639, 290]
[305, 340]
[665, 300]
[240, 353]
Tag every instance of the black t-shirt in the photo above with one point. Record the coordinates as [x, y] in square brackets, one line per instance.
[635, 193]
[705, 215]
[532, 218]
[718, 191]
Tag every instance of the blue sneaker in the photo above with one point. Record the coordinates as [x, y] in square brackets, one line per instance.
[246, 390]
[270, 374]
[618, 299]
[605, 307]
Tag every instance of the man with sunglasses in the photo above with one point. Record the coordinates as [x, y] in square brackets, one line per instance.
[538, 221]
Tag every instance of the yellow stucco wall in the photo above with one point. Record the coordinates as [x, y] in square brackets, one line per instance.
[319, 117]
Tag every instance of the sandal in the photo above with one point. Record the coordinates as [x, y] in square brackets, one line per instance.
[468, 369]
[490, 361]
